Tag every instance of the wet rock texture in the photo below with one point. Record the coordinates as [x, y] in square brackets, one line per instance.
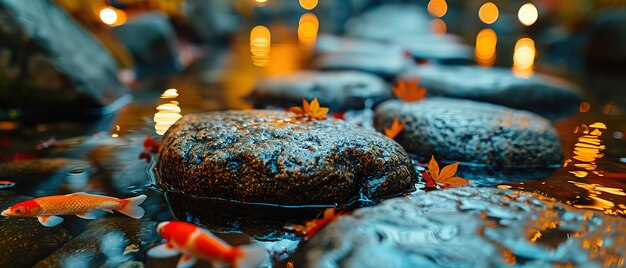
[44, 72]
[468, 131]
[539, 93]
[337, 90]
[255, 156]
[469, 227]
[24, 241]
[106, 243]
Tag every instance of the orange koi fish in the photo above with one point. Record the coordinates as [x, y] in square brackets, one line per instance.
[83, 205]
[198, 243]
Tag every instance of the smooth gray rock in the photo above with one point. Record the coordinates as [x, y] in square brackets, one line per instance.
[469, 131]
[540, 93]
[468, 227]
[106, 243]
[337, 90]
[388, 21]
[24, 241]
[51, 64]
[386, 64]
[255, 156]
[434, 47]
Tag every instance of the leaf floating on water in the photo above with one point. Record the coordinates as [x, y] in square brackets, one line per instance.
[311, 110]
[6, 184]
[445, 177]
[395, 129]
[310, 228]
[409, 90]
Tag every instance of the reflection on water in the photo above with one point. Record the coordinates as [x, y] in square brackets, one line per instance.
[599, 203]
[587, 150]
[437, 8]
[528, 14]
[488, 13]
[485, 51]
[260, 43]
[307, 30]
[167, 113]
[524, 57]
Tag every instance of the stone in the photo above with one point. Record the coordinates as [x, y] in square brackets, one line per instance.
[24, 241]
[45, 176]
[339, 91]
[540, 93]
[151, 40]
[107, 242]
[388, 21]
[51, 65]
[262, 156]
[475, 132]
[212, 21]
[445, 49]
[468, 227]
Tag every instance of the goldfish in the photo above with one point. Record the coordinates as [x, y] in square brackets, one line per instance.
[197, 243]
[83, 205]
[150, 146]
[310, 228]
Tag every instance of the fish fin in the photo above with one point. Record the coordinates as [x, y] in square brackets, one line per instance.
[83, 193]
[186, 261]
[89, 215]
[163, 251]
[131, 207]
[108, 210]
[50, 221]
[252, 256]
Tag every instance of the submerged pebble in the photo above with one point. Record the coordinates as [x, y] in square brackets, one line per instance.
[468, 227]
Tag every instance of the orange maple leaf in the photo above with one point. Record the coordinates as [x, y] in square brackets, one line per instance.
[409, 90]
[395, 129]
[311, 111]
[310, 228]
[444, 177]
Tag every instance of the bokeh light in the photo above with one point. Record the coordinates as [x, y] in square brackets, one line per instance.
[438, 26]
[308, 4]
[488, 13]
[528, 14]
[261, 2]
[524, 57]
[112, 16]
[307, 30]
[437, 8]
[260, 43]
[485, 50]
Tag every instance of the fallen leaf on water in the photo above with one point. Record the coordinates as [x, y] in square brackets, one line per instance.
[444, 177]
[395, 129]
[310, 228]
[409, 90]
[310, 111]
[150, 146]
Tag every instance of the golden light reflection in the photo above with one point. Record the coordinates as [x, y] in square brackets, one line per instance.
[528, 14]
[584, 107]
[485, 50]
[587, 150]
[261, 2]
[524, 57]
[260, 43]
[600, 203]
[307, 30]
[167, 113]
[112, 16]
[308, 4]
[488, 13]
[438, 26]
[437, 8]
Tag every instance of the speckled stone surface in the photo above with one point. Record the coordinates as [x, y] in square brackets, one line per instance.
[339, 91]
[539, 93]
[468, 227]
[469, 131]
[254, 156]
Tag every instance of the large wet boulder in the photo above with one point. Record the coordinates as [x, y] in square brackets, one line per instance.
[388, 21]
[263, 156]
[24, 241]
[469, 227]
[51, 64]
[151, 39]
[106, 243]
[337, 90]
[539, 93]
[469, 131]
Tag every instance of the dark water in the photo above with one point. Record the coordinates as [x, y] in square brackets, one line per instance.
[593, 176]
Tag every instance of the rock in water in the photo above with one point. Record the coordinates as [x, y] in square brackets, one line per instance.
[338, 90]
[389, 21]
[469, 131]
[45, 176]
[261, 156]
[51, 64]
[106, 243]
[24, 241]
[540, 93]
[468, 227]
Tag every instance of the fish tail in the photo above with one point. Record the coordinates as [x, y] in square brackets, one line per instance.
[251, 256]
[130, 207]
